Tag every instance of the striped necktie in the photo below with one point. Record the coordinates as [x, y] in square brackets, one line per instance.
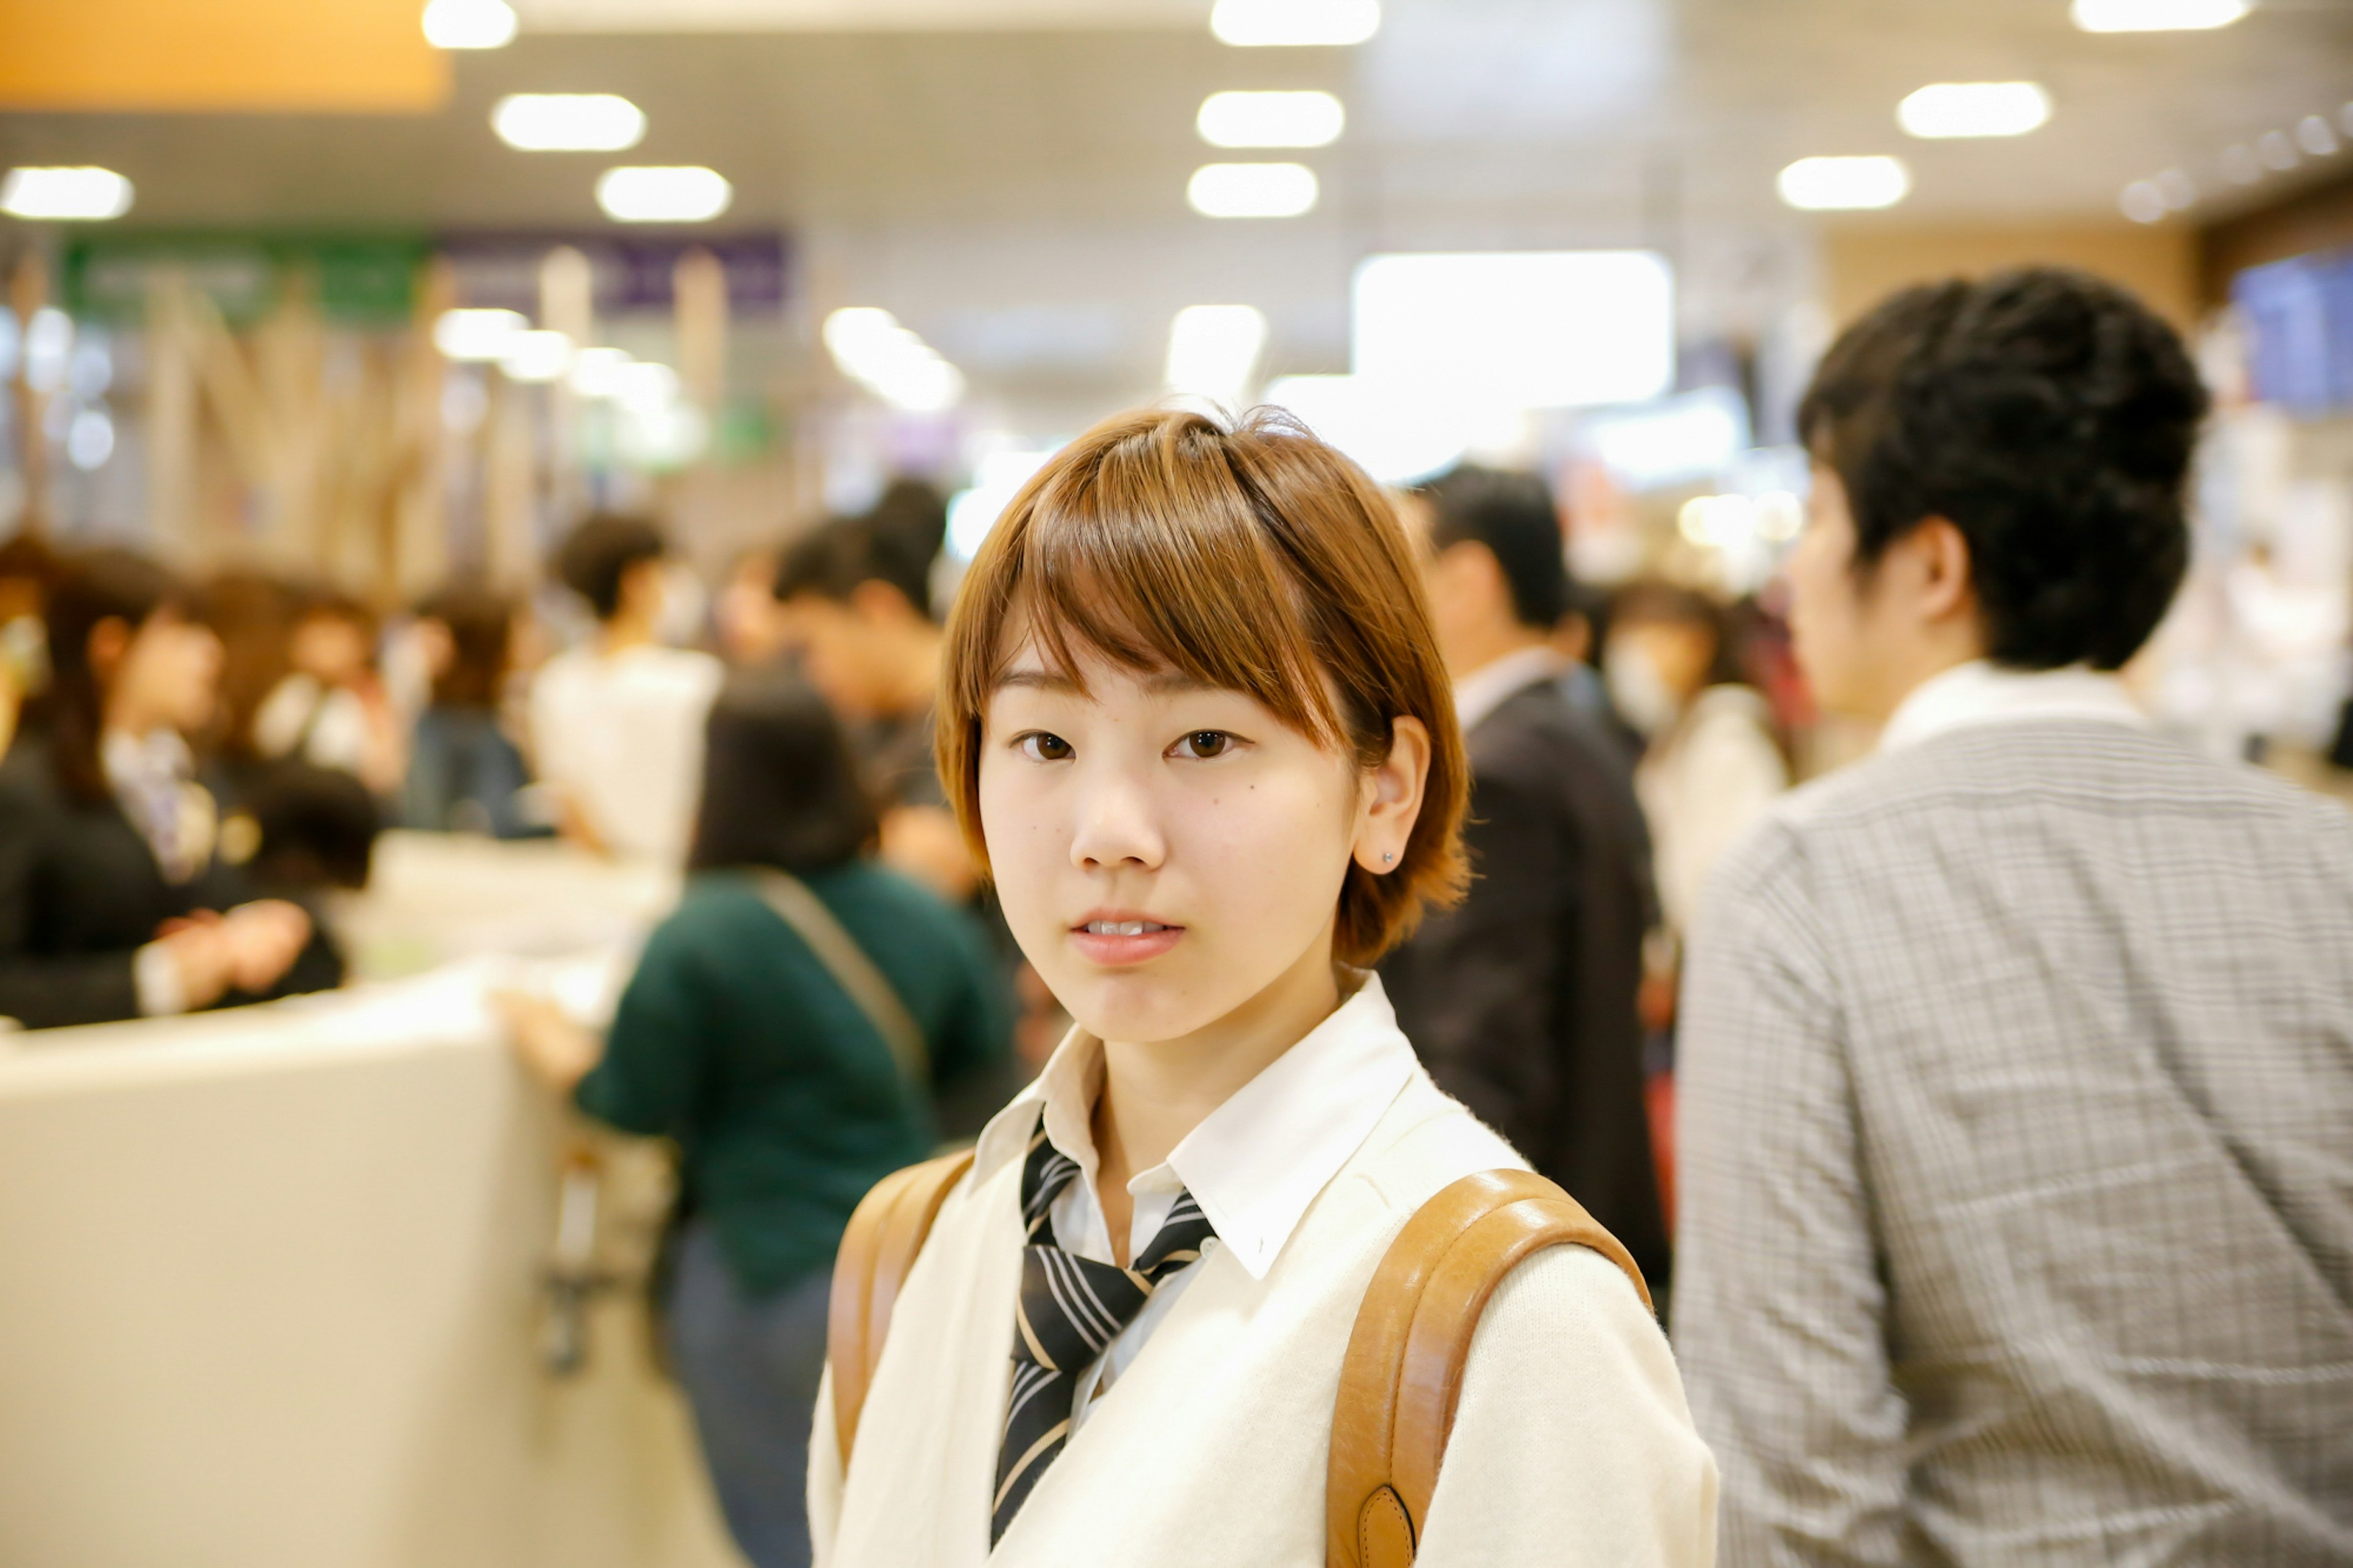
[1071, 1308]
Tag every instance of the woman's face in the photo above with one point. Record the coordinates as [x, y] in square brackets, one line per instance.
[1166, 853]
[168, 675]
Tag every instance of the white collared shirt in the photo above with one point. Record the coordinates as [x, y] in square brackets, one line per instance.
[1254, 1164]
[1484, 690]
[1983, 692]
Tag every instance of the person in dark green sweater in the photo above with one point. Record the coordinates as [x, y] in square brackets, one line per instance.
[786, 1098]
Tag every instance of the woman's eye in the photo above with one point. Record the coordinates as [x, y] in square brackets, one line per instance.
[1203, 744]
[1041, 747]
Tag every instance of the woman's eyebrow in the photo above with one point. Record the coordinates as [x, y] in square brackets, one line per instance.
[1036, 681]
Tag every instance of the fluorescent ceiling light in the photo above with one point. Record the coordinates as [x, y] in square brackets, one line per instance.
[537, 356]
[568, 121]
[478, 336]
[1251, 190]
[1975, 109]
[68, 194]
[1261, 23]
[1828, 184]
[1271, 119]
[658, 195]
[1213, 350]
[2317, 135]
[469, 24]
[872, 348]
[2144, 201]
[596, 373]
[1518, 330]
[2158, 15]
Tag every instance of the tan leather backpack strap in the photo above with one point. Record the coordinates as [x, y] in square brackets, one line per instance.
[1403, 1375]
[886, 1231]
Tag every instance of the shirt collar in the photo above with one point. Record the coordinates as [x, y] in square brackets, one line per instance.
[1256, 1162]
[1485, 688]
[1982, 692]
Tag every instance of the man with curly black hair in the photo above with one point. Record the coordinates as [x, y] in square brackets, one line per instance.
[2016, 1063]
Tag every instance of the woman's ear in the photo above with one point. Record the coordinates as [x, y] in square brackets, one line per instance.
[1392, 797]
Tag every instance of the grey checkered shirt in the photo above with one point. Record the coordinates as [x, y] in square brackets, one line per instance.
[2016, 1099]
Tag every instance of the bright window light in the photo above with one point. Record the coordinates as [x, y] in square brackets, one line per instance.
[1975, 109]
[68, 194]
[478, 336]
[1271, 119]
[1261, 23]
[2158, 15]
[537, 356]
[469, 24]
[658, 195]
[644, 384]
[872, 348]
[1523, 330]
[1251, 190]
[1213, 351]
[1833, 185]
[1392, 432]
[568, 121]
[974, 512]
[596, 373]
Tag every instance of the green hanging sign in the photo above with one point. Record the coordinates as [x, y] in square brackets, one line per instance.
[367, 280]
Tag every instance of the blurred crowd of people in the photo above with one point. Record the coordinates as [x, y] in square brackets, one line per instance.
[192, 769]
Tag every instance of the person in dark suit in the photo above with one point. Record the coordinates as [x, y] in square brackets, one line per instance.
[114, 902]
[1522, 1000]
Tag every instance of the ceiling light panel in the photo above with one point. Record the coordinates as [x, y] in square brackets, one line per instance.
[2158, 15]
[1844, 184]
[469, 24]
[1251, 190]
[1271, 120]
[78, 194]
[568, 121]
[1258, 24]
[537, 356]
[1975, 109]
[663, 195]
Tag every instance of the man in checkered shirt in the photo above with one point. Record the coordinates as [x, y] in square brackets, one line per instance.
[2017, 1061]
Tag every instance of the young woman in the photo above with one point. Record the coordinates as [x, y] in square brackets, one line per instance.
[736, 1038]
[1193, 720]
[113, 903]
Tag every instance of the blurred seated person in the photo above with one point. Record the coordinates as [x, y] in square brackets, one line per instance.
[1713, 763]
[26, 568]
[617, 724]
[330, 710]
[113, 903]
[736, 1038]
[855, 598]
[466, 773]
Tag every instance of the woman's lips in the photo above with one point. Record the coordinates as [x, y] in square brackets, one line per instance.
[1112, 942]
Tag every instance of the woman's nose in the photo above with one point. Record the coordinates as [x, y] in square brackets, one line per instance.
[1116, 825]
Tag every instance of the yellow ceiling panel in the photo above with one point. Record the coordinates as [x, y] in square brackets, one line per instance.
[347, 56]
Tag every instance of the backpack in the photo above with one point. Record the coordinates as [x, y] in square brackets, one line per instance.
[1403, 1374]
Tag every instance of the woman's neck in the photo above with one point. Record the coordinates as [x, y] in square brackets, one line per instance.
[1154, 1094]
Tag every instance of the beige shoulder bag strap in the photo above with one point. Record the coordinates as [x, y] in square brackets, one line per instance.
[1403, 1375]
[851, 970]
[886, 1232]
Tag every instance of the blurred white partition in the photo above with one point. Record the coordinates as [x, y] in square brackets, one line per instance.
[269, 1299]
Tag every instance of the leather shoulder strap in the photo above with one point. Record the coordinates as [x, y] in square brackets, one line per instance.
[886, 1231]
[1403, 1375]
[851, 970]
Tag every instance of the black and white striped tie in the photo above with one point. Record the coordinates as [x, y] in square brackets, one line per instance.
[1071, 1308]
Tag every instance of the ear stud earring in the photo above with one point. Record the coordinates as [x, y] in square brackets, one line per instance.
[1388, 856]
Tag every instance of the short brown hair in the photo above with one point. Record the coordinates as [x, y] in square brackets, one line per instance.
[1255, 559]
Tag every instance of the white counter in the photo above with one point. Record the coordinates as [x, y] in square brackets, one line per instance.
[269, 1290]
